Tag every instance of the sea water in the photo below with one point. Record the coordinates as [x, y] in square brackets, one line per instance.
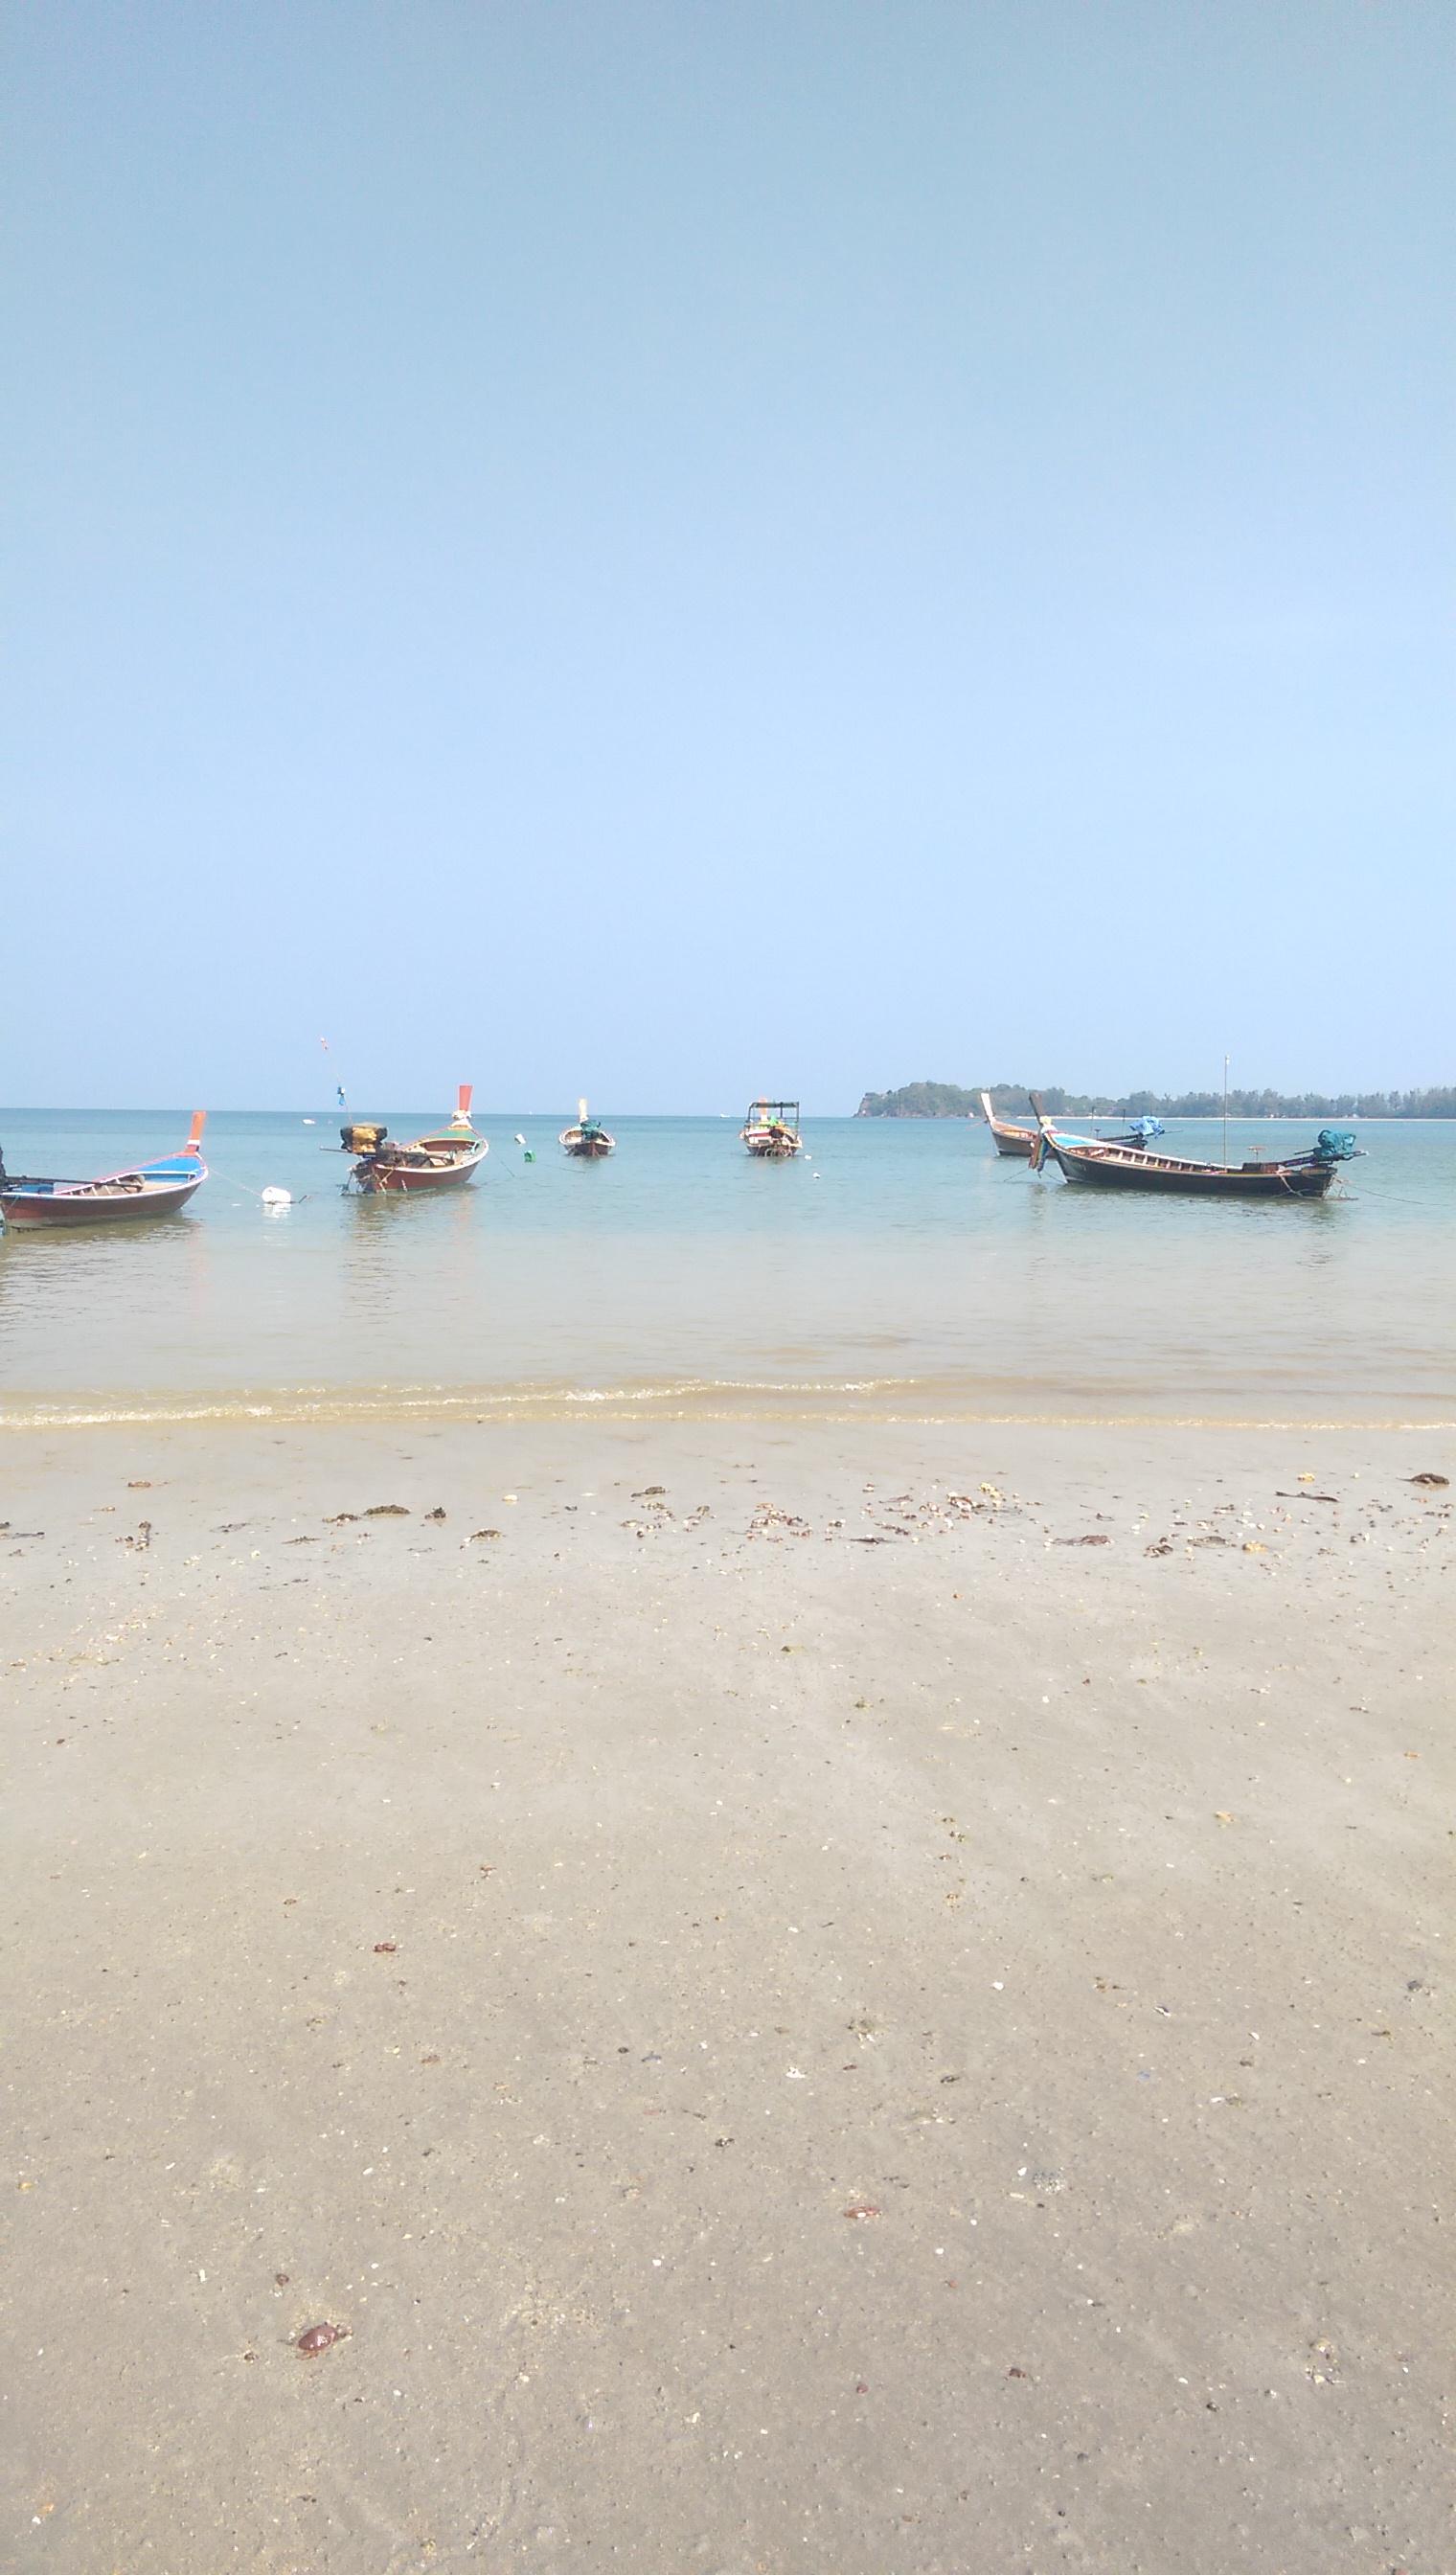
[900, 1269]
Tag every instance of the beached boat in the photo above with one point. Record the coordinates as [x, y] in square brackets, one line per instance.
[1118, 1167]
[1010, 1139]
[587, 1141]
[439, 1162]
[771, 1131]
[150, 1189]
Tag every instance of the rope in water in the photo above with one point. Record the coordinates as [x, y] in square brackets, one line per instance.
[291, 1199]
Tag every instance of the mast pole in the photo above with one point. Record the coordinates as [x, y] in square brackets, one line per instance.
[1225, 1112]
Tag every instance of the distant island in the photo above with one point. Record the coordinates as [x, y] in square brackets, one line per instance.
[920, 1100]
[1009, 1098]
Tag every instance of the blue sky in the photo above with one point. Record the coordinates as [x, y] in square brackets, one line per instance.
[673, 550]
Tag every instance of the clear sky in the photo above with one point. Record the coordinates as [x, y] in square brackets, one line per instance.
[670, 550]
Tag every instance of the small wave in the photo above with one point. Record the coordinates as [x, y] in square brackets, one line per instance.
[906, 1401]
[306, 1404]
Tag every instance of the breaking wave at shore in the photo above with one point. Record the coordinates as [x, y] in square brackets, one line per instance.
[882, 1399]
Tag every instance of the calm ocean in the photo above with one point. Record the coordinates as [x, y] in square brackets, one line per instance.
[905, 1271]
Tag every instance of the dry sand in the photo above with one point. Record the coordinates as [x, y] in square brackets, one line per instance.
[782, 2052]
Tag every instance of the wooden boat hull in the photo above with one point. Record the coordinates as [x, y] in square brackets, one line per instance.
[1166, 1177]
[441, 1160]
[35, 1208]
[586, 1140]
[1022, 1141]
[402, 1179]
[119, 1197]
[769, 1132]
[1008, 1139]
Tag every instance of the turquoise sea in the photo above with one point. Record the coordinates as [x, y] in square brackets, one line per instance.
[902, 1271]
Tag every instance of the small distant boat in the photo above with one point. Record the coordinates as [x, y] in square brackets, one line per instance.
[1010, 1139]
[1118, 1167]
[151, 1189]
[440, 1162]
[587, 1141]
[771, 1131]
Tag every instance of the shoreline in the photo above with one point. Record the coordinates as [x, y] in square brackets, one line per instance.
[875, 1402]
[849, 1996]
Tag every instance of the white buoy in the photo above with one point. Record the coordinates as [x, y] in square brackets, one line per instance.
[276, 1197]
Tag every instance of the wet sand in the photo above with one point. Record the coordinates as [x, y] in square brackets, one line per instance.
[846, 1998]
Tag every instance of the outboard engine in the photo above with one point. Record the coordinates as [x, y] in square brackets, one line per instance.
[1336, 1144]
[362, 1139]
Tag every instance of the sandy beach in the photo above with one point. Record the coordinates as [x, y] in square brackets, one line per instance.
[853, 1998]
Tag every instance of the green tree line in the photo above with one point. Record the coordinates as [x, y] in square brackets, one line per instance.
[947, 1100]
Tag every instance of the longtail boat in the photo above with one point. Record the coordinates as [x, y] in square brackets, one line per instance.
[1010, 1139]
[439, 1162]
[149, 1189]
[587, 1141]
[771, 1131]
[1117, 1167]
